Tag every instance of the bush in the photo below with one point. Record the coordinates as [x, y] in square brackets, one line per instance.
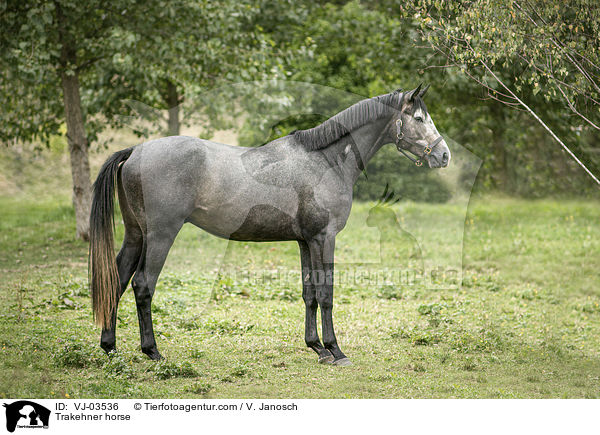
[201, 387]
[226, 326]
[77, 354]
[430, 309]
[390, 292]
[119, 366]
[240, 370]
[167, 369]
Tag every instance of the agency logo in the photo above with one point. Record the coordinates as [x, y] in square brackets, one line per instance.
[26, 414]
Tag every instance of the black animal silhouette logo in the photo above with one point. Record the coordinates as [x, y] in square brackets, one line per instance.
[25, 413]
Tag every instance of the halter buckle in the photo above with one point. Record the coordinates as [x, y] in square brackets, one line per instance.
[427, 150]
[399, 132]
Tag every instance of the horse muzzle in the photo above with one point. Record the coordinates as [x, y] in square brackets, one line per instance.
[440, 157]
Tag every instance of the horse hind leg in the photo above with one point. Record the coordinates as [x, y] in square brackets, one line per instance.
[127, 262]
[157, 244]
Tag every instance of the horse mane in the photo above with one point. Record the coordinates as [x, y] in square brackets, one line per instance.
[350, 119]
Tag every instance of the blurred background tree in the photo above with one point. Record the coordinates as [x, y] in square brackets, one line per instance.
[73, 64]
[65, 64]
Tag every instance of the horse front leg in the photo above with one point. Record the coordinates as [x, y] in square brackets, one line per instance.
[321, 252]
[311, 336]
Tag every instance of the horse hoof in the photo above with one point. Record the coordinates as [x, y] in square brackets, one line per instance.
[110, 351]
[154, 355]
[326, 359]
[343, 362]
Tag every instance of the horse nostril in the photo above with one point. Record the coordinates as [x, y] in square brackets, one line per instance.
[444, 158]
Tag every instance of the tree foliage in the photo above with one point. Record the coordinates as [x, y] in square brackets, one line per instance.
[536, 55]
[553, 46]
[165, 53]
[67, 62]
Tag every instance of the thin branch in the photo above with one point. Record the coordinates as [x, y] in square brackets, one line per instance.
[558, 81]
[438, 66]
[485, 85]
[507, 103]
[575, 110]
[571, 105]
[88, 62]
[559, 45]
[532, 113]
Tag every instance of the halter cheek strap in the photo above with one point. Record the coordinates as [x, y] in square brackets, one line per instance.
[401, 138]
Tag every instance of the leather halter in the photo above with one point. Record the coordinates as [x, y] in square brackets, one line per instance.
[400, 138]
[426, 150]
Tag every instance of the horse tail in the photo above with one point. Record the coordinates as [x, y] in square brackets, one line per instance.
[103, 272]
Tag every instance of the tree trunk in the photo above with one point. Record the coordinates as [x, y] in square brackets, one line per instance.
[501, 176]
[78, 149]
[76, 136]
[173, 101]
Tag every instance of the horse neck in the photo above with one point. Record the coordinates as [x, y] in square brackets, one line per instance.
[354, 151]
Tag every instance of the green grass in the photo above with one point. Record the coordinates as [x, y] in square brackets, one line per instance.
[525, 323]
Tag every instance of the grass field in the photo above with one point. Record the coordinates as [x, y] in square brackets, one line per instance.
[524, 324]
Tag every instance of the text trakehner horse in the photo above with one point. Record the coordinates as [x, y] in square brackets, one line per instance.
[298, 187]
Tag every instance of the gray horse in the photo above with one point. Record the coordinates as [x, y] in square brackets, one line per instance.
[298, 187]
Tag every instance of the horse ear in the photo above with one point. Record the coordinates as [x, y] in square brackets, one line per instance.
[414, 93]
[424, 91]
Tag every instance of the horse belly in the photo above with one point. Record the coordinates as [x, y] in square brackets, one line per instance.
[262, 223]
[238, 201]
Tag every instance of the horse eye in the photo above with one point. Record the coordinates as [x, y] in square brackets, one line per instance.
[418, 119]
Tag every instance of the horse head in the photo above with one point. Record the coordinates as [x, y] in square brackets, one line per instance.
[416, 133]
